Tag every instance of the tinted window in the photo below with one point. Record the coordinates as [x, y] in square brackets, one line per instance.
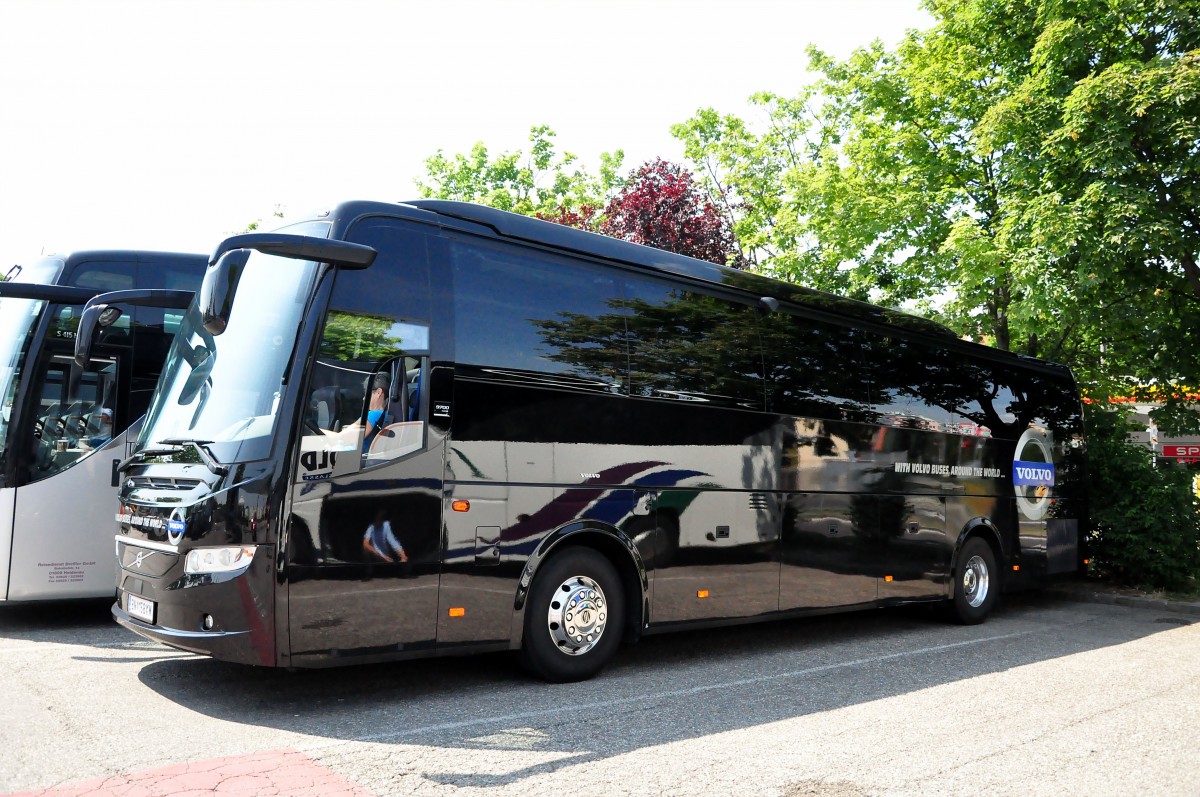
[1023, 398]
[918, 386]
[991, 400]
[364, 394]
[523, 311]
[692, 347]
[814, 370]
[396, 285]
[112, 276]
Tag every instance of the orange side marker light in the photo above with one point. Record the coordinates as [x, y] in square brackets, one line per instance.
[458, 611]
[701, 593]
[1016, 568]
[888, 578]
[461, 506]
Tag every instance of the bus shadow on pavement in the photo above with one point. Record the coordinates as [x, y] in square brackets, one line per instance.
[39, 620]
[664, 689]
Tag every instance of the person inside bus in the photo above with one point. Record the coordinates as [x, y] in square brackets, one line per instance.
[380, 543]
[377, 399]
[104, 417]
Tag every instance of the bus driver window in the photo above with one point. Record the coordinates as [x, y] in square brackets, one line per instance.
[399, 427]
[364, 409]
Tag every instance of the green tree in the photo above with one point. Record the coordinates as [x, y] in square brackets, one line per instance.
[540, 181]
[1145, 524]
[1025, 171]
[1106, 120]
[255, 225]
[870, 182]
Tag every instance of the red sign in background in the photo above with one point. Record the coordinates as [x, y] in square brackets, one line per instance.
[1190, 452]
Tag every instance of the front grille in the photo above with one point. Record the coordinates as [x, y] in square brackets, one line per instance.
[161, 483]
[146, 561]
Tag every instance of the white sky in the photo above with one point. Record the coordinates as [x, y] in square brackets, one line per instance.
[169, 124]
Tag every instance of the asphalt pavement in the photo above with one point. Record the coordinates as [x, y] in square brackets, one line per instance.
[1051, 696]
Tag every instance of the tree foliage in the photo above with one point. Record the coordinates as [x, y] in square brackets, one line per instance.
[658, 204]
[538, 182]
[1145, 525]
[661, 205]
[1025, 170]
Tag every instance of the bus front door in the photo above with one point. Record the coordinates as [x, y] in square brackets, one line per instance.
[364, 543]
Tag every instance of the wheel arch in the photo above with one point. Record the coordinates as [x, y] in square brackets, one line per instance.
[610, 542]
[986, 530]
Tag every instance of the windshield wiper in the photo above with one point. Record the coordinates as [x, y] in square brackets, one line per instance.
[208, 459]
[179, 444]
[138, 456]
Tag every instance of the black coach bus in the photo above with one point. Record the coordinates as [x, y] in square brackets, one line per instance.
[434, 427]
[64, 427]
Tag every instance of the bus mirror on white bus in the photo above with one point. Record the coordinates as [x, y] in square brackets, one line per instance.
[95, 317]
[99, 313]
[218, 288]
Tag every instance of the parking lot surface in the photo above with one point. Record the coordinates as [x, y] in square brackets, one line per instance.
[1049, 697]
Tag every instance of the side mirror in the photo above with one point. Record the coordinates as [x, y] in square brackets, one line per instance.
[191, 388]
[95, 317]
[218, 289]
[99, 313]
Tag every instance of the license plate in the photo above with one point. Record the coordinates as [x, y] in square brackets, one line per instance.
[139, 607]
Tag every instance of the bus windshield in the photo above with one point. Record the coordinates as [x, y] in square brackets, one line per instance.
[18, 317]
[223, 391]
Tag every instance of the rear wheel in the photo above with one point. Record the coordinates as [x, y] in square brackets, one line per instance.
[976, 583]
[574, 616]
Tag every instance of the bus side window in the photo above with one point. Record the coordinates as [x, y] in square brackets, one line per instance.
[348, 424]
[399, 429]
[77, 413]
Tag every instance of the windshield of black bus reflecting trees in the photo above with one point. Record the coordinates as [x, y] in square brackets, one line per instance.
[225, 390]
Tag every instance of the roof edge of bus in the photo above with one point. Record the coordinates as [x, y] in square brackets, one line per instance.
[515, 226]
[527, 228]
[136, 255]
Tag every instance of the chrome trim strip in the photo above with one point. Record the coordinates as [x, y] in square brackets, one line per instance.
[174, 633]
[154, 546]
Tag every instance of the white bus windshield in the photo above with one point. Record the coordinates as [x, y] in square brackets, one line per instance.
[18, 317]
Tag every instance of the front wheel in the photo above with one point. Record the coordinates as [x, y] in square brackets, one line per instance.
[976, 583]
[574, 616]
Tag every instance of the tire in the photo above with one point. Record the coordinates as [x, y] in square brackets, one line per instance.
[582, 584]
[976, 583]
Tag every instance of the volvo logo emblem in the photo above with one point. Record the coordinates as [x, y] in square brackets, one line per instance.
[141, 557]
[176, 527]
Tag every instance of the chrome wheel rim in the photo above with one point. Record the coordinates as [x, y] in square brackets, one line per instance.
[975, 582]
[577, 615]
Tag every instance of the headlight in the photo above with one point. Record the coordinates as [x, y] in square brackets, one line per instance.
[219, 560]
